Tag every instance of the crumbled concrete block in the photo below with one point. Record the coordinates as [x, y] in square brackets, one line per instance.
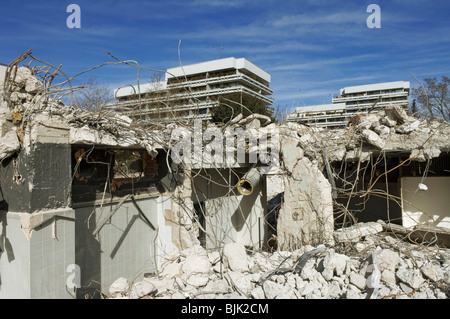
[334, 290]
[417, 155]
[33, 85]
[382, 130]
[354, 293]
[141, 289]
[311, 289]
[357, 231]
[430, 153]
[407, 127]
[22, 75]
[242, 282]
[387, 260]
[196, 264]
[272, 289]
[389, 122]
[236, 256]
[218, 286]
[412, 277]
[355, 155]
[358, 280]
[388, 277]
[119, 286]
[373, 138]
[336, 263]
[214, 257]
[9, 144]
[368, 121]
[253, 124]
[447, 277]
[197, 280]
[171, 270]
[432, 272]
[162, 285]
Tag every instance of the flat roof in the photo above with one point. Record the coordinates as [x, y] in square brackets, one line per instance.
[375, 87]
[320, 108]
[215, 65]
[144, 88]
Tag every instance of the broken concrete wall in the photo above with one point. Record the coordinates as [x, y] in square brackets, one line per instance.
[390, 130]
[230, 216]
[37, 255]
[125, 246]
[48, 250]
[381, 146]
[306, 215]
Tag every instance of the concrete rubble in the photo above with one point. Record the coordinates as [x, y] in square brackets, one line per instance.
[312, 260]
[340, 271]
[388, 130]
[29, 111]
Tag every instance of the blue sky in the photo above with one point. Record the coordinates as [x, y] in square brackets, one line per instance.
[310, 48]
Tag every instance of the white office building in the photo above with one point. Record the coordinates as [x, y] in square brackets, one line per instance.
[353, 100]
[191, 91]
[2, 73]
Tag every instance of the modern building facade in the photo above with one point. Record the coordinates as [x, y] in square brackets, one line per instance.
[2, 71]
[353, 100]
[192, 91]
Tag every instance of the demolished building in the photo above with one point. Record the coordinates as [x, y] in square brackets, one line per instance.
[89, 198]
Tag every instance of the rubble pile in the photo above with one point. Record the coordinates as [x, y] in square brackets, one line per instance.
[374, 266]
[388, 130]
[27, 104]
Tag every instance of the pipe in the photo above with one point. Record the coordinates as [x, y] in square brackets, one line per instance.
[249, 182]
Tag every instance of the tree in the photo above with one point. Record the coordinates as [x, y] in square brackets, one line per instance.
[94, 96]
[433, 98]
[231, 105]
[413, 110]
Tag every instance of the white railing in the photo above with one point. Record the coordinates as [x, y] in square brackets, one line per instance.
[368, 96]
[222, 79]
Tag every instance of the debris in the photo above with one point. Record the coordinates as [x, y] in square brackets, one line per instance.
[141, 289]
[310, 259]
[9, 145]
[355, 232]
[423, 187]
[412, 277]
[432, 272]
[119, 286]
[236, 256]
[324, 273]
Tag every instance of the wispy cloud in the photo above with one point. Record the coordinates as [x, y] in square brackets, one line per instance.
[323, 63]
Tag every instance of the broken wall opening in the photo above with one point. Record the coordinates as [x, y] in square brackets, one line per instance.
[118, 208]
[101, 173]
[224, 213]
[372, 190]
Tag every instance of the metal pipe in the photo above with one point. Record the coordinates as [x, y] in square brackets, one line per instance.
[249, 182]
